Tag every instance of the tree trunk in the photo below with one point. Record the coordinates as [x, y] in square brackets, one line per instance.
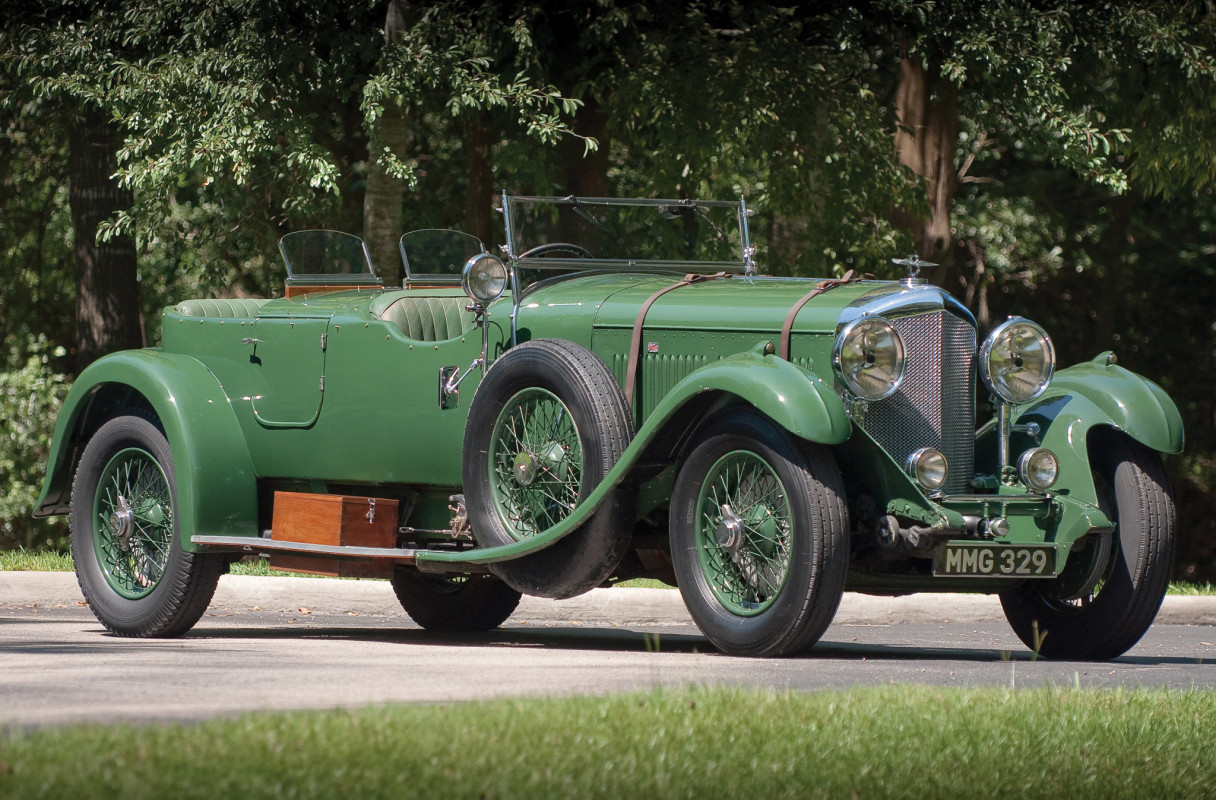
[926, 142]
[587, 173]
[479, 195]
[382, 201]
[107, 286]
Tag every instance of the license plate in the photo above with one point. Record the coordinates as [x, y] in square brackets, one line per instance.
[986, 560]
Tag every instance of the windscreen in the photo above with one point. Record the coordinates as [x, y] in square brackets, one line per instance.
[321, 254]
[617, 232]
[439, 255]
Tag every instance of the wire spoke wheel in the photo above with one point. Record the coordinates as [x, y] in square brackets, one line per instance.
[743, 532]
[536, 462]
[133, 523]
[545, 427]
[130, 563]
[759, 533]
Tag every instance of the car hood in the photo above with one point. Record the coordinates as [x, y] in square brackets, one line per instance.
[734, 304]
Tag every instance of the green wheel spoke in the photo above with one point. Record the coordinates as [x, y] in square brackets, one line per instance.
[536, 462]
[133, 522]
[746, 571]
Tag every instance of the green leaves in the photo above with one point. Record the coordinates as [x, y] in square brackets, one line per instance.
[30, 398]
[446, 60]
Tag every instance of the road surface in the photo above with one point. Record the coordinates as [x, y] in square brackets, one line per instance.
[298, 643]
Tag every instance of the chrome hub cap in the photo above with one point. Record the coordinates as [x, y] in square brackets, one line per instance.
[524, 469]
[729, 531]
[122, 522]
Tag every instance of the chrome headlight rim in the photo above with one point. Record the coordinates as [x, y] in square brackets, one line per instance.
[923, 467]
[1026, 468]
[855, 328]
[484, 278]
[998, 335]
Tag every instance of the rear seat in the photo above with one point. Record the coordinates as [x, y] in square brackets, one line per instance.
[426, 319]
[237, 308]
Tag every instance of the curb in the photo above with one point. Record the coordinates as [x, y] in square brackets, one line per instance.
[600, 606]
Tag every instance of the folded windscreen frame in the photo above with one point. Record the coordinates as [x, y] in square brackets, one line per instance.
[327, 257]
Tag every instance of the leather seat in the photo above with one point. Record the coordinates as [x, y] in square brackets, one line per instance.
[236, 308]
[429, 319]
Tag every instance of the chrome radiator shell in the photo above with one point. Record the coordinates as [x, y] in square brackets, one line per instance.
[935, 403]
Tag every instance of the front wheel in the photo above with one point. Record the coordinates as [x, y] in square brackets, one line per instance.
[759, 537]
[1101, 605]
[445, 604]
[130, 564]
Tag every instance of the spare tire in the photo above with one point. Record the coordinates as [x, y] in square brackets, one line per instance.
[546, 425]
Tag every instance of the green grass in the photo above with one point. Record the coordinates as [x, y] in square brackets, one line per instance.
[30, 561]
[895, 742]
[1193, 589]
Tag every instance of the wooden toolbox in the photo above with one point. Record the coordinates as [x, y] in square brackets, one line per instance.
[337, 520]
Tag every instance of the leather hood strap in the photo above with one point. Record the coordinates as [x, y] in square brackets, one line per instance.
[819, 289]
[635, 342]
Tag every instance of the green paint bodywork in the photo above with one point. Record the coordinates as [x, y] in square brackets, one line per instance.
[320, 393]
[216, 481]
[1101, 390]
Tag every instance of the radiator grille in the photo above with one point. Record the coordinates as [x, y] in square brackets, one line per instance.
[934, 406]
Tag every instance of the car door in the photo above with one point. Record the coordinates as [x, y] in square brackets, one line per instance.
[287, 362]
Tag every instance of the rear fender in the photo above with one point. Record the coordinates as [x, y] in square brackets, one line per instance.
[216, 484]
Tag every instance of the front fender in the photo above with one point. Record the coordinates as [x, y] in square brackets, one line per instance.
[216, 484]
[1096, 394]
[794, 399]
[1125, 400]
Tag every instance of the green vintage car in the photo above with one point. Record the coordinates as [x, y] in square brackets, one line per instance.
[616, 392]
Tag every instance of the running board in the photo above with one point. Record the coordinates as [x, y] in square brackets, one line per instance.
[256, 544]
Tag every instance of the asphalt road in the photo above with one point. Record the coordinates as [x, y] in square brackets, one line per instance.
[296, 643]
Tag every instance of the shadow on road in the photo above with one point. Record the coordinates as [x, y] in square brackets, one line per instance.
[572, 638]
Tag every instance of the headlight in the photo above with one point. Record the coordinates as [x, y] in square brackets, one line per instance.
[1017, 360]
[869, 358]
[1039, 468]
[484, 278]
[928, 467]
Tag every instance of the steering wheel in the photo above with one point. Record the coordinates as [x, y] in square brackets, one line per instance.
[556, 247]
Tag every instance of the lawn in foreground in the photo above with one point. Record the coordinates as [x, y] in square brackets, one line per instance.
[720, 743]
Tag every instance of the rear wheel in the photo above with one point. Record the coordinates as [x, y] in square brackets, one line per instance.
[758, 537]
[1103, 603]
[130, 564]
[461, 603]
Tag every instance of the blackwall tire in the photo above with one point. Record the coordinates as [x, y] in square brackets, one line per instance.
[125, 536]
[1107, 619]
[546, 425]
[445, 604]
[759, 537]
